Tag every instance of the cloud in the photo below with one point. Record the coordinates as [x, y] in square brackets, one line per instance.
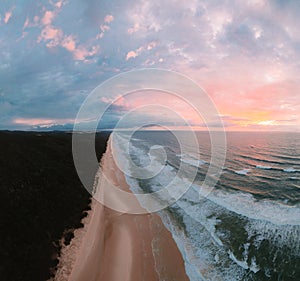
[134, 29]
[48, 18]
[59, 4]
[82, 53]
[50, 34]
[69, 43]
[54, 35]
[246, 61]
[143, 18]
[108, 18]
[7, 17]
[104, 27]
[131, 54]
[164, 106]
[40, 121]
[26, 23]
[138, 51]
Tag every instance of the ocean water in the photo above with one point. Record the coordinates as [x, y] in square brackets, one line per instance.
[248, 226]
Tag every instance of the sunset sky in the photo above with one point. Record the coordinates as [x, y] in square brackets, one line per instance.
[244, 54]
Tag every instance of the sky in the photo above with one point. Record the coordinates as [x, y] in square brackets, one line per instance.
[244, 54]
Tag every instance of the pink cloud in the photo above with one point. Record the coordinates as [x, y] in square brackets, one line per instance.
[81, 53]
[40, 121]
[100, 35]
[104, 27]
[26, 23]
[131, 54]
[34, 23]
[156, 100]
[138, 51]
[69, 43]
[7, 17]
[151, 45]
[55, 36]
[48, 18]
[59, 4]
[51, 33]
[133, 29]
[108, 18]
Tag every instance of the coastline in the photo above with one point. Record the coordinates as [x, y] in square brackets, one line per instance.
[119, 246]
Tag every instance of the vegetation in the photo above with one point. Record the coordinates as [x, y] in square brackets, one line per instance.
[41, 197]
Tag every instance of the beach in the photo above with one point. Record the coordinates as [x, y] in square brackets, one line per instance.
[119, 246]
[246, 229]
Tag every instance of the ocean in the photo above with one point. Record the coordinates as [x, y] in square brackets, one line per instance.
[248, 226]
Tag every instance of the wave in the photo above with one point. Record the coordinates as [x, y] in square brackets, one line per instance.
[267, 157]
[194, 222]
[258, 159]
[241, 203]
[264, 167]
[246, 205]
[290, 170]
[189, 159]
[294, 178]
[207, 246]
[279, 158]
[243, 172]
[201, 226]
[263, 221]
[266, 178]
[244, 264]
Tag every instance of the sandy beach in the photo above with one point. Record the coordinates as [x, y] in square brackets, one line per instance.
[118, 246]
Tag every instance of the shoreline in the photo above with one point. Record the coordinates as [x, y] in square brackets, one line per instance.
[120, 246]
